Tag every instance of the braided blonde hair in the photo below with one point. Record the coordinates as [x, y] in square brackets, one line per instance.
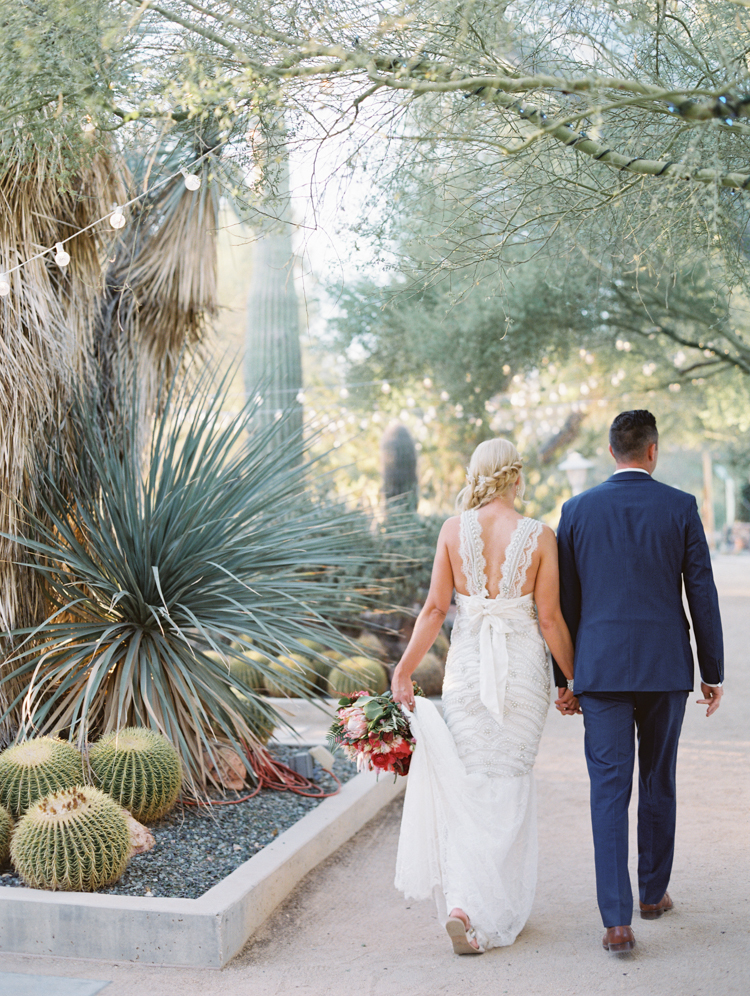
[494, 469]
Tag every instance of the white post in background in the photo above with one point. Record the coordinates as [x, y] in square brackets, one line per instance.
[730, 502]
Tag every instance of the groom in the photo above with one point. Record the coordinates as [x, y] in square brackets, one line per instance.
[626, 549]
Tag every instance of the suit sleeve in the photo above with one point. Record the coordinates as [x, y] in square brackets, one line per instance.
[703, 600]
[570, 588]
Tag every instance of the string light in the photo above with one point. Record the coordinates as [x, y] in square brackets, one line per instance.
[87, 125]
[192, 182]
[117, 218]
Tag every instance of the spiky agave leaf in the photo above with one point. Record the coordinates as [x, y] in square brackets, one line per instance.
[219, 544]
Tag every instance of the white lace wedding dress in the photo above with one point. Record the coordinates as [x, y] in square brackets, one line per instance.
[468, 833]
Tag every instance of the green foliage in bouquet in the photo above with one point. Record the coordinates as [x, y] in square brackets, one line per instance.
[161, 572]
[140, 769]
[76, 840]
[355, 674]
[33, 769]
[373, 731]
[6, 832]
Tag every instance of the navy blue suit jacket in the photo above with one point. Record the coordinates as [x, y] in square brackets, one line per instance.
[626, 547]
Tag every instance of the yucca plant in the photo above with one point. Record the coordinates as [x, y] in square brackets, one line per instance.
[216, 542]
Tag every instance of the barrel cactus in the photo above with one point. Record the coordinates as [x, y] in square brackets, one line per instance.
[429, 675]
[76, 840]
[33, 769]
[356, 674]
[295, 677]
[140, 769]
[247, 671]
[6, 832]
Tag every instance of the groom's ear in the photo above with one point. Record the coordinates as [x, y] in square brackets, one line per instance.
[612, 453]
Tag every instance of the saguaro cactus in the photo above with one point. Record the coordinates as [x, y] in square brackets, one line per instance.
[273, 360]
[399, 464]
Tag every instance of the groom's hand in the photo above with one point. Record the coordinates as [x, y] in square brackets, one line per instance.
[567, 703]
[711, 698]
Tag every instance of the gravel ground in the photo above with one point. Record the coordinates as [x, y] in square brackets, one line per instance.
[197, 847]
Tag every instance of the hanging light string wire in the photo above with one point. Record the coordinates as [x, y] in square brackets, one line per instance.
[183, 170]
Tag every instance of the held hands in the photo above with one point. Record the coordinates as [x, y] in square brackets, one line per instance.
[567, 703]
[402, 689]
[711, 698]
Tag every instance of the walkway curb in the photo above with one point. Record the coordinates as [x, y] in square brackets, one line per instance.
[200, 933]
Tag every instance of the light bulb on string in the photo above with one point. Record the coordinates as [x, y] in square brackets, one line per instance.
[117, 218]
[62, 258]
[87, 125]
[4, 285]
[192, 182]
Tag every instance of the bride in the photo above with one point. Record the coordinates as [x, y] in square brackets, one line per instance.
[468, 833]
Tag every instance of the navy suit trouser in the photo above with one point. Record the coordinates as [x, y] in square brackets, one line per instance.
[611, 720]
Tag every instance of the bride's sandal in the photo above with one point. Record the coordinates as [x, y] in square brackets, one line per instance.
[461, 936]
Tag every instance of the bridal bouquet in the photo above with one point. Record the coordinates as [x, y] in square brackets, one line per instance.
[373, 731]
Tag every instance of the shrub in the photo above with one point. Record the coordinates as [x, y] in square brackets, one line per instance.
[140, 769]
[33, 769]
[76, 840]
[355, 674]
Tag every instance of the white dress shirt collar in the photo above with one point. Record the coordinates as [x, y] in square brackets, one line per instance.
[627, 470]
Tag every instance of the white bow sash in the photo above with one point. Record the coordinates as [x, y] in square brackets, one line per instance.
[500, 616]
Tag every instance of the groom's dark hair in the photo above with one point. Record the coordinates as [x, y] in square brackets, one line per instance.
[632, 433]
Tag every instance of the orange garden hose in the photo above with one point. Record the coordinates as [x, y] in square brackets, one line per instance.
[279, 777]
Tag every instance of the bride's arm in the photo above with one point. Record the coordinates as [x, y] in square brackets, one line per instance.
[547, 598]
[429, 620]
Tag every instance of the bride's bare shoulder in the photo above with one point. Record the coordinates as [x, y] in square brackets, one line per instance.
[451, 526]
[547, 536]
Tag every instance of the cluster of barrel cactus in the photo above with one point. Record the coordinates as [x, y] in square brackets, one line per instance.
[72, 835]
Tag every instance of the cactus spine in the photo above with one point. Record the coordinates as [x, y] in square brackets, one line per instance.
[76, 840]
[273, 360]
[140, 769]
[6, 831]
[33, 769]
[398, 456]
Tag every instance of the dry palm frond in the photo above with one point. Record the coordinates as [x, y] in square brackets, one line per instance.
[161, 287]
[46, 326]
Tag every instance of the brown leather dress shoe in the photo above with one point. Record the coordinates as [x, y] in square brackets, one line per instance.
[618, 939]
[652, 911]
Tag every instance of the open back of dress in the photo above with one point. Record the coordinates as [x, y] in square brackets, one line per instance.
[468, 833]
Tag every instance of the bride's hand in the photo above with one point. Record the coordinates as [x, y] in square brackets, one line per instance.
[402, 689]
[567, 703]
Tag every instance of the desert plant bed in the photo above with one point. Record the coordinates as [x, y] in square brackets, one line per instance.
[196, 847]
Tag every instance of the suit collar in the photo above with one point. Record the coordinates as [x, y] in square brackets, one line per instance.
[630, 475]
